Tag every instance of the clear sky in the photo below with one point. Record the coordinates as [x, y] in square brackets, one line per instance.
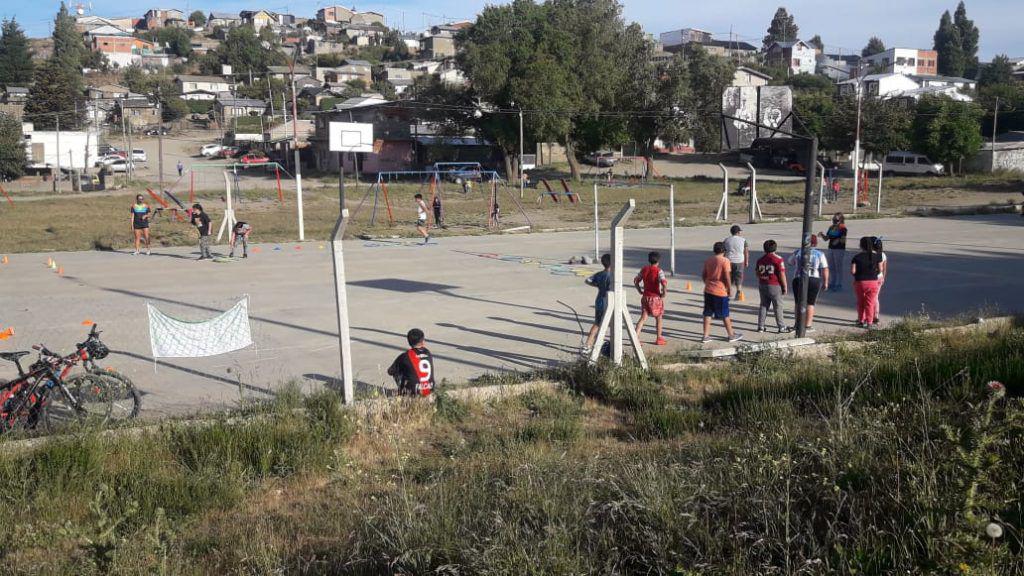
[843, 25]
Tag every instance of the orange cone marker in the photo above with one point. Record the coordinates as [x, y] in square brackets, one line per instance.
[4, 260]
[740, 297]
[689, 287]
[60, 271]
[7, 333]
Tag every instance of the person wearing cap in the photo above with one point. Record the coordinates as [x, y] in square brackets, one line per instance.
[738, 254]
[817, 277]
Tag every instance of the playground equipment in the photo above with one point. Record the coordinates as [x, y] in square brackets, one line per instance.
[432, 185]
[671, 225]
[617, 312]
[571, 196]
[233, 185]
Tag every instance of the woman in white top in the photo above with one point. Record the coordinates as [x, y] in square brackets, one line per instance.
[883, 270]
[817, 279]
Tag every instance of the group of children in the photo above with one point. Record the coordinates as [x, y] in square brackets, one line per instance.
[723, 274]
[142, 214]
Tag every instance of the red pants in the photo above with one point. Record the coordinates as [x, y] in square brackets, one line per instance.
[867, 299]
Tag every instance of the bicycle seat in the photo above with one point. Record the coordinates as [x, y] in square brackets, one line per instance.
[13, 356]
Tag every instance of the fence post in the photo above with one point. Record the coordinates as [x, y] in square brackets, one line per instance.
[723, 206]
[597, 229]
[672, 228]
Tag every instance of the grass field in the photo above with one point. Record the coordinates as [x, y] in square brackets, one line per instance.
[85, 222]
[892, 458]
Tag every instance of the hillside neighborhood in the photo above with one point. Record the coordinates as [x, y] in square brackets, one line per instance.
[269, 82]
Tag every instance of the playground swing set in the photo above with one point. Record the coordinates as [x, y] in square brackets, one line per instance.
[432, 187]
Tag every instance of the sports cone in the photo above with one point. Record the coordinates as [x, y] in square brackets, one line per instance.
[87, 322]
[689, 287]
[740, 297]
[53, 264]
[49, 262]
[60, 271]
[4, 260]
[7, 333]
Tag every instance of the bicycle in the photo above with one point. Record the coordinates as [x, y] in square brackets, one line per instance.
[30, 398]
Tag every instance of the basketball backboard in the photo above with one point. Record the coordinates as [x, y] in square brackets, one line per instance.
[350, 137]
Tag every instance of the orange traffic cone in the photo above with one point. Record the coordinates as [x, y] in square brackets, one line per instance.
[4, 260]
[87, 322]
[60, 271]
[740, 297]
[689, 287]
[7, 333]
[49, 262]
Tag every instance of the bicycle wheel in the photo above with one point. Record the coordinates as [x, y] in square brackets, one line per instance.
[124, 397]
[86, 402]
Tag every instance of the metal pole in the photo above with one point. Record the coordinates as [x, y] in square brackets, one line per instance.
[298, 165]
[160, 138]
[341, 300]
[597, 229]
[341, 180]
[805, 240]
[821, 188]
[856, 147]
[56, 180]
[878, 200]
[672, 229]
[723, 206]
[522, 187]
[753, 193]
[995, 126]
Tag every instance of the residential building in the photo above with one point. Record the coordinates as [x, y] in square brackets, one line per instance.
[203, 45]
[368, 18]
[412, 42]
[749, 77]
[909, 61]
[680, 38]
[284, 72]
[201, 87]
[286, 19]
[228, 106]
[436, 47]
[334, 14]
[222, 20]
[85, 24]
[77, 149]
[796, 57]
[837, 67]
[730, 48]
[257, 18]
[315, 46]
[138, 112]
[102, 101]
[932, 81]
[893, 85]
[363, 31]
[677, 40]
[122, 51]
[14, 95]
[163, 17]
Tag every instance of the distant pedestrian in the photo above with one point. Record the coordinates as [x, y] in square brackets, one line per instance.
[651, 284]
[603, 282]
[495, 214]
[438, 212]
[771, 283]
[717, 285]
[139, 221]
[413, 370]
[883, 273]
[240, 234]
[738, 254]
[836, 236]
[421, 218]
[201, 220]
[181, 168]
[817, 277]
[866, 267]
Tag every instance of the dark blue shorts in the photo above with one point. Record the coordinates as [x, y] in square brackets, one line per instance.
[716, 306]
[599, 308]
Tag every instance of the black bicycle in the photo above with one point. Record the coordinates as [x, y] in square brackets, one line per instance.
[42, 396]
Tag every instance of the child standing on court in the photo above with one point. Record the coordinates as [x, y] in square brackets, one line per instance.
[717, 285]
[603, 282]
[738, 254]
[836, 236]
[652, 295]
[771, 283]
[201, 221]
[240, 233]
[438, 214]
[421, 218]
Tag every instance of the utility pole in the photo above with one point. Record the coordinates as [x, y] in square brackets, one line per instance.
[522, 186]
[295, 146]
[270, 92]
[160, 137]
[129, 154]
[56, 180]
[995, 126]
[856, 141]
[124, 140]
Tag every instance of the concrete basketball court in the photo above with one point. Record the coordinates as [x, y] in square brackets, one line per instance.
[487, 304]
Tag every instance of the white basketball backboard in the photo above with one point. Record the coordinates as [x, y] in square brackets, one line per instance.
[350, 137]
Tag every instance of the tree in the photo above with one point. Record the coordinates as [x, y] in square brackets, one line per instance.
[15, 55]
[177, 40]
[12, 148]
[874, 46]
[969, 38]
[999, 71]
[816, 42]
[947, 130]
[385, 89]
[198, 18]
[244, 52]
[69, 48]
[782, 29]
[56, 92]
[709, 77]
[809, 83]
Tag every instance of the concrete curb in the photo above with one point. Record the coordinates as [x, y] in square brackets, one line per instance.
[748, 348]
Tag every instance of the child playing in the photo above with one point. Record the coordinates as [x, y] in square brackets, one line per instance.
[717, 285]
[603, 282]
[771, 283]
[240, 232]
[202, 223]
[438, 214]
[421, 218]
[652, 295]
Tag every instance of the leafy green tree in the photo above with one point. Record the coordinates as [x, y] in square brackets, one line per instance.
[999, 71]
[709, 77]
[69, 48]
[56, 91]
[969, 38]
[385, 89]
[198, 18]
[783, 28]
[949, 44]
[173, 108]
[804, 83]
[874, 46]
[15, 55]
[12, 148]
[947, 130]
[177, 40]
[814, 111]
[243, 51]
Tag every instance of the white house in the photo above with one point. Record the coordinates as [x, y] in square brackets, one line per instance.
[749, 77]
[797, 57]
[201, 87]
[892, 85]
[909, 61]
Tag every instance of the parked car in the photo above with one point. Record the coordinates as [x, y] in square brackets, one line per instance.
[210, 150]
[910, 163]
[106, 160]
[228, 152]
[107, 150]
[157, 131]
[601, 159]
[138, 155]
[119, 165]
[254, 158]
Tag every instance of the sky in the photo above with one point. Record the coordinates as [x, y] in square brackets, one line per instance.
[845, 26]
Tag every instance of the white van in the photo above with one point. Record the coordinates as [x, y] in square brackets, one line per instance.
[910, 163]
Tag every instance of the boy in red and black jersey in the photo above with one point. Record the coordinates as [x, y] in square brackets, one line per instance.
[413, 370]
[771, 283]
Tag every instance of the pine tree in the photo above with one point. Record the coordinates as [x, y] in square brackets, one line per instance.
[57, 89]
[15, 56]
[949, 46]
[816, 42]
[874, 46]
[68, 45]
[969, 37]
[782, 29]
[12, 148]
